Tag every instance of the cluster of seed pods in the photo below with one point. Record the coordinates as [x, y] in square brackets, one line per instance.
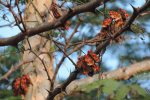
[57, 12]
[20, 85]
[87, 64]
[113, 23]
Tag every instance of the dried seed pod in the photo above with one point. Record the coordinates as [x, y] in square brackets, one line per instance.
[80, 62]
[106, 22]
[123, 14]
[119, 23]
[89, 60]
[115, 15]
[93, 56]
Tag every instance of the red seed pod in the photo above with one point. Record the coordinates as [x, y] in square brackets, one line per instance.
[84, 73]
[84, 67]
[98, 34]
[51, 9]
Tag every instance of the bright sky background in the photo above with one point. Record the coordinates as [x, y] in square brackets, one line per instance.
[63, 72]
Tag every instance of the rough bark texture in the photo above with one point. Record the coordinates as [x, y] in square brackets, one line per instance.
[35, 70]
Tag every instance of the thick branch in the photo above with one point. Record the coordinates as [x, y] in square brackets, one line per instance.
[121, 73]
[88, 7]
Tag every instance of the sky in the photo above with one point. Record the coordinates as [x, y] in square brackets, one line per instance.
[64, 71]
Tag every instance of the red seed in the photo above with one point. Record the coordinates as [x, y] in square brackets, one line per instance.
[84, 73]
[58, 15]
[94, 54]
[118, 41]
[67, 28]
[124, 11]
[87, 62]
[23, 77]
[120, 23]
[19, 90]
[17, 83]
[54, 4]
[15, 94]
[83, 60]
[18, 78]
[78, 58]
[90, 60]
[97, 68]
[24, 81]
[120, 37]
[25, 74]
[28, 78]
[98, 34]
[105, 21]
[96, 59]
[89, 51]
[103, 34]
[22, 86]
[86, 56]
[102, 29]
[121, 9]
[84, 67]
[111, 13]
[51, 9]
[26, 90]
[127, 15]
[68, 22]
[115, 17]
[116, 13]
[94, 66]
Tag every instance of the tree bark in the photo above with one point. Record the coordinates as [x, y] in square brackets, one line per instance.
[35, 70]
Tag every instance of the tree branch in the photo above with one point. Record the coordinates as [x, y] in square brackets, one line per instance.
[88, 7]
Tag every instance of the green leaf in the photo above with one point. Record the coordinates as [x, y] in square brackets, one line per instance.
[110, 86]
[121, 93]
[139, 90]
